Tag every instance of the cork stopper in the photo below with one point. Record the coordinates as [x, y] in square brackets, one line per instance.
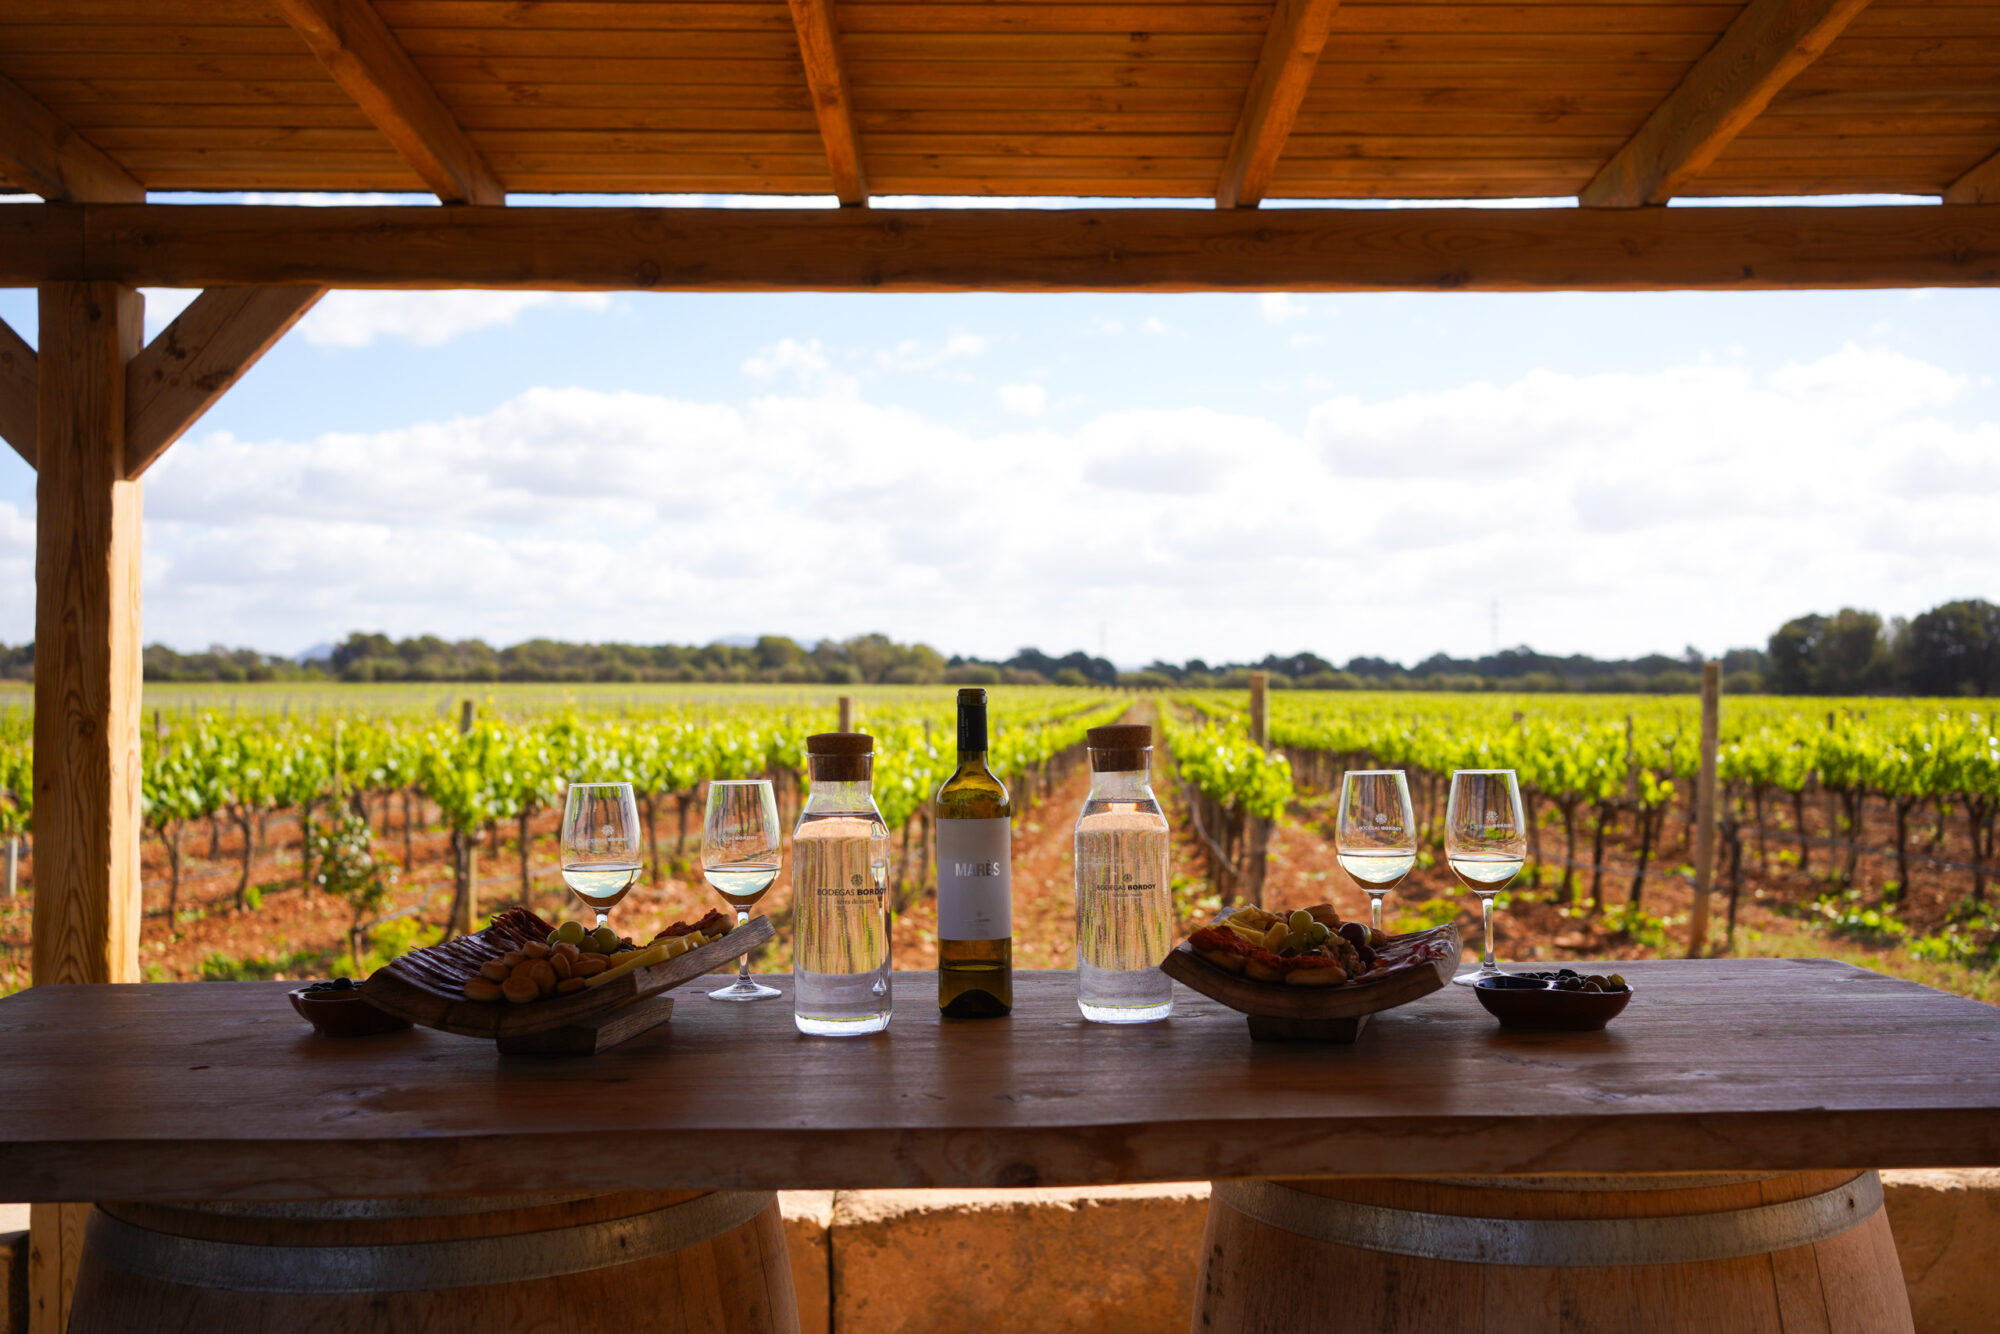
[840, 757]
[1119, 749]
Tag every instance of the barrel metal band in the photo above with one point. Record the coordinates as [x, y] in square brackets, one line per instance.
[415, 1266]
[1535, 1242]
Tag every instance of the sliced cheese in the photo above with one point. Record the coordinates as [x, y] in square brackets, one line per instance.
[644, 958]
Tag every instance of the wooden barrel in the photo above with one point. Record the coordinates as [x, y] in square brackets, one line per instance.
[1580, 1255]
[712, 1262]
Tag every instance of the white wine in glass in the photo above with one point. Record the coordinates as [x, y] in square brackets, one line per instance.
[741, 850]
[1485, 844]
[600, 844]
[1375, 836]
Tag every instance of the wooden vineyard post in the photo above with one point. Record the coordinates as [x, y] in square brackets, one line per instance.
[846, 713]
[467, 901]
[1257, 844]
[1704, 819]
[1631, 767]
[87, 675]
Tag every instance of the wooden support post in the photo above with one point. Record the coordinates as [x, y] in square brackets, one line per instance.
[17, 393]
[1704, 818]
[847, 713]
[87, 678]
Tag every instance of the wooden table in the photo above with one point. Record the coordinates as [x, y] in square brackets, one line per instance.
[217, 1091]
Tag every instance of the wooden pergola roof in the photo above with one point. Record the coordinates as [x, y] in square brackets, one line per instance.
[1237, 100]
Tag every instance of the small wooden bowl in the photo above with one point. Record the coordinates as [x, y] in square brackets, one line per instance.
[1563, 1011]
[343, 1014]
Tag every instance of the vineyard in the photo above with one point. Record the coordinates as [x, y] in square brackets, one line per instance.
[326, 829]
[419, 816]
[1869, 820]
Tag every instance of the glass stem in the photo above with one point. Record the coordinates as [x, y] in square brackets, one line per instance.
[1375, 911]
[603, 918]
[743, 964]
[1486, 913]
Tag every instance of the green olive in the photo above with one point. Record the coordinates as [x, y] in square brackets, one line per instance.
[1300, 920]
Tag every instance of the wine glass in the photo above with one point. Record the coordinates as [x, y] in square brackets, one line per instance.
[600, 844]
[740, 850]
[1485, 842]
[1375, 838]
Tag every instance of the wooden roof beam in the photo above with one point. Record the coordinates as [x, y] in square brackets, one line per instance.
[42, 152]
[19, 384]
[1981, 185]
[367, 61]
[193, 361]
[1004, 250]
[1277, 90]
[1769, 43]
[826, 76]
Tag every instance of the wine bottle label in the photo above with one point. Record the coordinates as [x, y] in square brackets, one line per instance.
[975, 877]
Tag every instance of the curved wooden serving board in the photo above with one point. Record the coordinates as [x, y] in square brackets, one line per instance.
[1328, 1013]
[424, 1001]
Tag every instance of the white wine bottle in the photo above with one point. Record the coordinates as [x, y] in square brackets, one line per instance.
[975, 878]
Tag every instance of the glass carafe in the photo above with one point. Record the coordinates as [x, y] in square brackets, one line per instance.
[840, 880]
[1124, 903]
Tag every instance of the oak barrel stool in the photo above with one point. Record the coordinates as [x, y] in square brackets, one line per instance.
[1580, 1255]
[703, 1262]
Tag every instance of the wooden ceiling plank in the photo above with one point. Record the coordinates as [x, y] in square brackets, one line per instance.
[819, 46]
[357, 48]
[1981, 185]
[1078, 249]
[1769, 43]
[43, 152]
[19, 385]
[1277, 90]
[193, 362]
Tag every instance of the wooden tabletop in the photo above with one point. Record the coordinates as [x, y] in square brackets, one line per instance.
[216, 1090]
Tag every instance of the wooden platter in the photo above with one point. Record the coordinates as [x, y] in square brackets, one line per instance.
[1278, 1012]
[417, 987]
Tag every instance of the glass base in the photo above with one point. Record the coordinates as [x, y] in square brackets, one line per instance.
[744, 989]
[1477, 974]
[841, 1028]
[1125, 1014]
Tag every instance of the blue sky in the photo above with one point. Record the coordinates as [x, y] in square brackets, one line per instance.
[1200, 475]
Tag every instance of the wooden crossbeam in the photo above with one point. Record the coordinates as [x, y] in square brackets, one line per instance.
[193, 361]
[826, 76]
[1277, 90]
[42, 152]
[367, 61]
[1009, 250]
[1981, 185]
[17, 393]
[1769, 43]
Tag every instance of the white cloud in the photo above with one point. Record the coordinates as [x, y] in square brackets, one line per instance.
[1612, 513]
[912, 354]
[1026, 399]
[804, 364]
[427, 319]
[1282, 307]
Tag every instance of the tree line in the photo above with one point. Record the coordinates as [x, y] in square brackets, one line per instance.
[1952, 649]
